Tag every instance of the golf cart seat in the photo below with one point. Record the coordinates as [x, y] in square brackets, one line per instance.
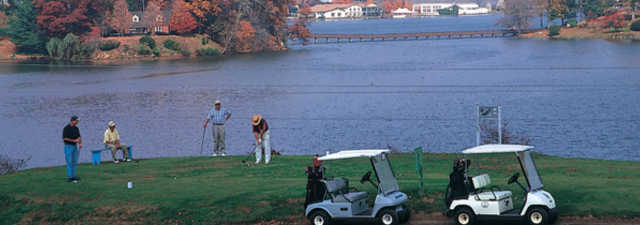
[482, 181]
[338, 188]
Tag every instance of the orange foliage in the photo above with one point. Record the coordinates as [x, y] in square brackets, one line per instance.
[182, 21]
[342, 2]
[244, 36]
[299, 30]
[390, 5]
[369, 2]
[205, 8]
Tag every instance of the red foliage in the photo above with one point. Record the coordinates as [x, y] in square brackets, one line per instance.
[615, 20]
[120, 18]
[182, 21]
[153, 17]
[244, 36]
[390, 5]
[58, 18]
[299, 30]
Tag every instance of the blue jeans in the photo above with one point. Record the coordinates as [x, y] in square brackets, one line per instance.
[71, 156]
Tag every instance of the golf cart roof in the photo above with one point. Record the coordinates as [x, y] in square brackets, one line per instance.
[497, 148]
[346, 154]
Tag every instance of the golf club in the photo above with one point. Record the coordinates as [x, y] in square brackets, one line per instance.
[204, 130]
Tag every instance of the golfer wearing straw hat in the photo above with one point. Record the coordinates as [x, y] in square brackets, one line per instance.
[112, 141]
[218, 116]
[263, 138]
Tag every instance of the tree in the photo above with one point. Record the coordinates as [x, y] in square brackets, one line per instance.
[517, 14]
[244, 36]
[23, 30]
[59, 18]
[559, 9]
[152, 15]
[540, 7]
[300, 29]
[182, 21]
[119, 18]
[596, 8]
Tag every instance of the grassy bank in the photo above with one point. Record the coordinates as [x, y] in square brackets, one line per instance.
[205, 190]
[586, 33]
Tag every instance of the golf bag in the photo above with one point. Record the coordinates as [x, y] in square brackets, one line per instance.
[460, 185]
[315, 188]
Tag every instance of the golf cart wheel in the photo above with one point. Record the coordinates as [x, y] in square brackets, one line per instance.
[320, 217]
[537, 216]
[464, 216]
[388, 217]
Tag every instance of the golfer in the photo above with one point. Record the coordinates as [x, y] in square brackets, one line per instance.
[112, 141]
[263, 138]
[72, 141]
[218, 116]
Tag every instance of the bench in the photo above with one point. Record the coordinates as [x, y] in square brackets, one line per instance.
[95, 154]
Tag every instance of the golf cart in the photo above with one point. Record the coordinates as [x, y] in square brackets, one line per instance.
[333, 199]
[470, 199]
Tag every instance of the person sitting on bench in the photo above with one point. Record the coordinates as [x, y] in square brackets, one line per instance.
[112, 142]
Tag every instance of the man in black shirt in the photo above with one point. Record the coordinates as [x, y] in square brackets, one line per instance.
[72, 141]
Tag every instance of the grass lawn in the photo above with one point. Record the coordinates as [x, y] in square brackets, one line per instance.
[205, 190]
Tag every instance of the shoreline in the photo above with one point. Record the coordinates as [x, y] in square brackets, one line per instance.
[583, 33]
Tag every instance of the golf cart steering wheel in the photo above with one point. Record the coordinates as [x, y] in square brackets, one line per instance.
[514, 178]
[366, 177]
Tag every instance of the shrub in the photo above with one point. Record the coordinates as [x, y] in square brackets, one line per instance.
[70, 46]
[53, 47]
[86, 50]
[205, 40]
[143, 49]
[109, 45]
[155, 52]
[148, 41]
[554, 30]
[185, 52]
[208, 52]
[572, 22]
[8, 165]
[172, 44]
[635, 26]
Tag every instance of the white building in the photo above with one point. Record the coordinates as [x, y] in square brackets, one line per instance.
[335, 11]
[401, 13]
[431, 9]
[471, 9]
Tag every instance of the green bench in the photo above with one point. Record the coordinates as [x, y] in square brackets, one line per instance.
[95, 154]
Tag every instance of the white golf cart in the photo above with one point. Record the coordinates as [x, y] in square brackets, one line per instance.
[470, 199]
[331, 200]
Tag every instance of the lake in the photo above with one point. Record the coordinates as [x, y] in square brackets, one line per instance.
[571, 98]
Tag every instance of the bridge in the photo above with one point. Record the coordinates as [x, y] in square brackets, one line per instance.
[348, 38]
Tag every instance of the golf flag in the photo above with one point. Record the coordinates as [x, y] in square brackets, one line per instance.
[488, 112]
[418, 155]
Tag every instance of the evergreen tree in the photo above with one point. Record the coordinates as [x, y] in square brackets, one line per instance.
[23, 30]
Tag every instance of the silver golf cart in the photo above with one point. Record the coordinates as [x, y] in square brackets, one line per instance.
[331, 200]
[470, 199]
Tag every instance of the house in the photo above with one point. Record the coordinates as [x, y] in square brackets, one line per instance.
[401, 13]
[430, 9]
[372, 10]
[448, 8]
[159, 25]
[333, 11]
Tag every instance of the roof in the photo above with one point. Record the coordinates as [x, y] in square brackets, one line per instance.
[329, 7]
[497, 148]
[346, 154]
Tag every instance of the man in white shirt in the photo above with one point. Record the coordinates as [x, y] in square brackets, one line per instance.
[112, 141]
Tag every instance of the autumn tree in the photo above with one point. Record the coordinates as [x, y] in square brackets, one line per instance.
[152, 15]
[390, 5]
[59, 18]
[182, 21]
[3, 19]
[300, 30]
[244, 36]
[559, 9]
[119, 18]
